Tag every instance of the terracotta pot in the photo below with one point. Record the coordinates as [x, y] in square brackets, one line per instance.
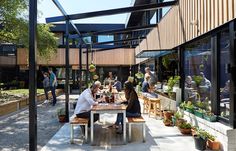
[167, 123]
[185, 131]
[62, 118]
[193, 132]
[214, 145]
[167, 115]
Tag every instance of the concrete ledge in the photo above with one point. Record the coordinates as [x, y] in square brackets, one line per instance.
[225, 134]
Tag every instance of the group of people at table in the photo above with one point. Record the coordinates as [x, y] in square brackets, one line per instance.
[87, 100]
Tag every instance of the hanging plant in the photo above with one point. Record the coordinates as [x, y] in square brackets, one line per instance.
[139, 75]
[92, 68]
[166, 62]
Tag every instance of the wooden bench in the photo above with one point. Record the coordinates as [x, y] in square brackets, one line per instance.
[137, 121]
[78, 121]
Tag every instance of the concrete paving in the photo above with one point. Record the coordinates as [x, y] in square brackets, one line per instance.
[158, 138]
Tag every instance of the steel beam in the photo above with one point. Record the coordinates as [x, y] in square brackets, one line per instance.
[32, 75]
[65, 15]
[118, 41]
[106, 49]
[123, 30]
[140, 8]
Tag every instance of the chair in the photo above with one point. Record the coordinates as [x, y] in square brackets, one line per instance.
[154, 107]
[145, 104]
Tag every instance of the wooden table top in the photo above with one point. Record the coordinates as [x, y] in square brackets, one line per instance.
[108, 106]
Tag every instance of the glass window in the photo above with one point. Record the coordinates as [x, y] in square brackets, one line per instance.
[104, 38]
[87, 40]
[197, 69]
[224, 74]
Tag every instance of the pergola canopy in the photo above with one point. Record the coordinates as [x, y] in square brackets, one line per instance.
[153, 53]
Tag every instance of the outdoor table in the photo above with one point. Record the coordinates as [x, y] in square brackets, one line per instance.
[111, 108]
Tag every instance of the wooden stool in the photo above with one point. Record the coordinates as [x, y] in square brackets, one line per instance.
[154, 107]
[137, 120]
[78, 121]
[145, 104]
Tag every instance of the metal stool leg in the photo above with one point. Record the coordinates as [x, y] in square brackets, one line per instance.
[86, 133]
[129, 132]
[144, 132]
[71, 133]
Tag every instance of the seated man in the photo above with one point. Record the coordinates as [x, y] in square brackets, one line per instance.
[146, 88]
[85, 102]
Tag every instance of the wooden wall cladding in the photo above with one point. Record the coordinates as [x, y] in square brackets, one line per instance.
[121, 56]
[187, 20]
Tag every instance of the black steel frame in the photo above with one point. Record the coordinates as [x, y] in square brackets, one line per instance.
[146, 7]
[32, 75]
[232, 31]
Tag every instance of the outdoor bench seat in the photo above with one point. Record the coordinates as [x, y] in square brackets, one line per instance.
[138, 121]
[78, 121]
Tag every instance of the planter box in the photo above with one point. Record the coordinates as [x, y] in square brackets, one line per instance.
[189, 110]
[198, 114]
[210, 118]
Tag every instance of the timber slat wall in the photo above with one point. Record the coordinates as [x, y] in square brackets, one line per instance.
[121, 56]
[187, 20]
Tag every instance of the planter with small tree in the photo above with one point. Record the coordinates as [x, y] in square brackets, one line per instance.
[61, 113]
[209, 116]
[167, 122]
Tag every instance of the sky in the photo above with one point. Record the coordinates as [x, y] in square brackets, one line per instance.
[48, 9]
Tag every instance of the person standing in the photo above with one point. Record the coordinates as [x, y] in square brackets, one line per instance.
[53, 85]
[46, 86]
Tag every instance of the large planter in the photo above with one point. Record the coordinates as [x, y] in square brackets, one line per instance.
[185, 131]
[211, 118]
[214, 145]
[200, 143]
[167, 123]
[198, 114]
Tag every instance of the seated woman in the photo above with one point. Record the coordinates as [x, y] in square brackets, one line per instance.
[146, 88]
[133, 108]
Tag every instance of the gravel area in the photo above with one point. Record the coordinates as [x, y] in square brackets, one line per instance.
[14, 128]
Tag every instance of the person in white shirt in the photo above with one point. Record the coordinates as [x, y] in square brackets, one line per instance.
[86, 101]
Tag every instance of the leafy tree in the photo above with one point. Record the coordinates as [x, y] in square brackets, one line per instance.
[14, 28]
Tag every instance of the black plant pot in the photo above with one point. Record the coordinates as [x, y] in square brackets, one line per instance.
[200, 143]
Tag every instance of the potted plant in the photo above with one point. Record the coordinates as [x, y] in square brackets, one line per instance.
[189, 107]
[172, 81]
[177, 117]
[200, 139]
[212, 143]
[92, 68]
[185, 128]
[61, 113]
[193, 130]
[209, 116]
[167, 122]
[168, 113]
[183, 105]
